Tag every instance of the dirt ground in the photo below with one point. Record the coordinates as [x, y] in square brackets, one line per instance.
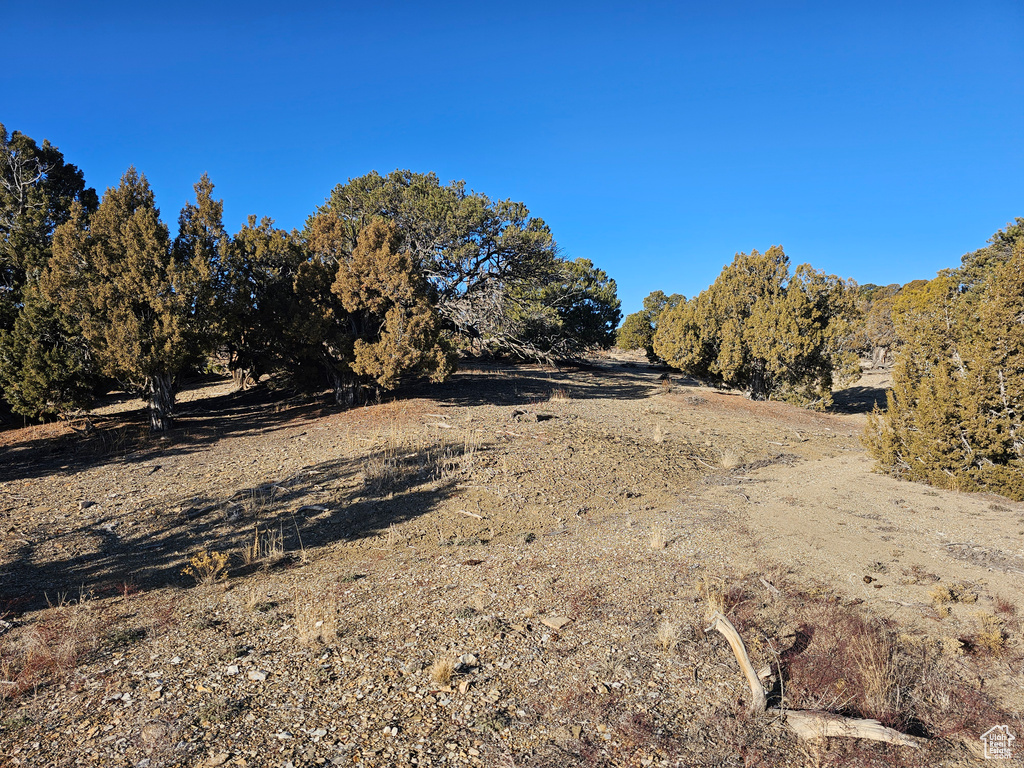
[513, 568]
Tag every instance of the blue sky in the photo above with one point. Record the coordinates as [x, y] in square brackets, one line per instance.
[875, 140]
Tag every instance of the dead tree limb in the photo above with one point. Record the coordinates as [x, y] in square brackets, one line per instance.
[805, 724]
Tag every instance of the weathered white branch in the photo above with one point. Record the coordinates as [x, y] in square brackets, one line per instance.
[805, 724]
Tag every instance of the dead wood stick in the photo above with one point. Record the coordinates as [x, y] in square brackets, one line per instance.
[818, 725]
[723, 625]
[806, 724]
[698, 458]
[469, 514]
[769, 586]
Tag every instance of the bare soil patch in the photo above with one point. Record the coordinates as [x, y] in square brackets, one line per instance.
[512, 568]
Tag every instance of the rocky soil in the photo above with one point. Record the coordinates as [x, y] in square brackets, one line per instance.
[514, 568]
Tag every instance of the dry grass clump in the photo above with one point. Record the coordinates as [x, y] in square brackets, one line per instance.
[442, 670]
[381, 470]
[316, 617]
[989, 638]
[560, 395]
[668, 635]
[51, 649]
[658, 540]
[943, 596]
[207, 566]
[730, 458]
[953, 593]
[266, 545]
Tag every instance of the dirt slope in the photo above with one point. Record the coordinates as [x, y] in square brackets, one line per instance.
[513, 568]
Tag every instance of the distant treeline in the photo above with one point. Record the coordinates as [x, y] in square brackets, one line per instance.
[392, 277]
[955, 414]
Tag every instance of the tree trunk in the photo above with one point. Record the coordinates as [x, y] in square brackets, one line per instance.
[161, 401]
[344, 388]
[758, 382]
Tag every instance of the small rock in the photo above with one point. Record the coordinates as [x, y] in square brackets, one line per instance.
[469, 660]
[176, 660]
[232, 670]
[319, 733]
[284, 736]
[86, 504]
[257, 675]
[218, 759]
[576, 731]
[464, 686]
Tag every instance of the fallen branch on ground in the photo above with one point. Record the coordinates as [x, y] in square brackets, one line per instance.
[805, 724]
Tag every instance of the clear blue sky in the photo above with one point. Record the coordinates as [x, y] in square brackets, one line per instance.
[876, 140]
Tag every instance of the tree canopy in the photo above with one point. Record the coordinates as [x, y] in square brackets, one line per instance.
[45, 369]
[765, 330]
[638, 329]
[133, 296]
[954, 415]
[493, 270]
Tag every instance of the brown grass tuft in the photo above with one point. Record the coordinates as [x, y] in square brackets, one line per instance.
[442, 670]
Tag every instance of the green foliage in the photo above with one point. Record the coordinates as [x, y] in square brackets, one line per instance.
[388, 303]
[134, 301]
[761, 329]
[45, 365]
[575, 309]
[45, 369]
[976, 267]
[638, 329]
[256, 305]
[955, 409]
[492, 269]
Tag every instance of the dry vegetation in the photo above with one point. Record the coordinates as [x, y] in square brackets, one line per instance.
[514, 568]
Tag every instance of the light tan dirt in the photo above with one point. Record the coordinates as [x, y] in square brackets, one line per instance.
[560, 536]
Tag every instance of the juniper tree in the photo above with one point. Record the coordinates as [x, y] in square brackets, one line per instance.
[638, 329]
[256, 301]
[45, 370]
[762, 329]
[474, 252]
[573, 310]
[395, 326]
[954, 415]
[134, 301]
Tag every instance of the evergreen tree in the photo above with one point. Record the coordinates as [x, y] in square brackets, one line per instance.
[135, 302]
[395, 326]
[574, 310]
[954, 414]
[760, 329]
[638, 329]
[45, 369]
[256, 300]
[479, 256]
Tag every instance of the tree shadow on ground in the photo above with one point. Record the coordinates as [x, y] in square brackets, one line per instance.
[124, 438]
[508, 385]
[339, 500]
[859, 400]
